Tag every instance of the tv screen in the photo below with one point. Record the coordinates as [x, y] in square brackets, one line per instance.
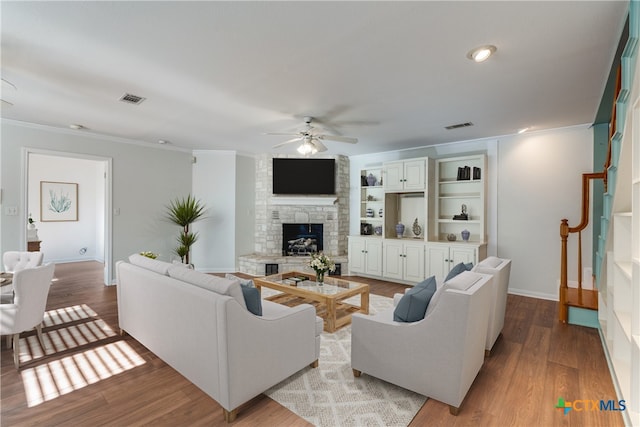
[304, 176]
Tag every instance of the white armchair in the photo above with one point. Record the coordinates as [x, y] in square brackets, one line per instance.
[27, 311]
[500, 269]
[15, 261]
[438, 356]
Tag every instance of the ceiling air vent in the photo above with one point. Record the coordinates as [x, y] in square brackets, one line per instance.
[132, 99]
[459, 125]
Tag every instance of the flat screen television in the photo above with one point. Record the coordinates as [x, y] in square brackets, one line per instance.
[304, 176]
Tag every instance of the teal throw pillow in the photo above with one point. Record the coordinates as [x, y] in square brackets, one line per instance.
[457, 269]
[250, 293]
[413, 304]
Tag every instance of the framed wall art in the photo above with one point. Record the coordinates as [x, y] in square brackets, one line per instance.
[58, 201]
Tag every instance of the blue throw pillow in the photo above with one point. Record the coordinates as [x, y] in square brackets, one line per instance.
[413, 304]
[250, 293]
[457, 269]
[252, 298]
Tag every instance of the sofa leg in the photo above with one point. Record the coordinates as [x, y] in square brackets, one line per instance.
[314, 364]
[453, 410]
[230, 416]
[356, 373]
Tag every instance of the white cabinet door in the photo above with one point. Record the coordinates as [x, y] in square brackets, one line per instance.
[373, 257]
[405, 176]
[413, 262]
[437, 261]
[414, 175]
[357, 255]
[393, 259]
[458, 255]
[393, 176]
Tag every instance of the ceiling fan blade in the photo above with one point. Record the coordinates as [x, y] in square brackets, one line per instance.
[287, 142]
[346, 139]
[319, 145]
[282, 133]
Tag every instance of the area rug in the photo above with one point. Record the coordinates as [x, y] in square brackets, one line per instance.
[329, 395]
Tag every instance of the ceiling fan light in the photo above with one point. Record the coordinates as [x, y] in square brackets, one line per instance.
[307, 148]
[482, 53]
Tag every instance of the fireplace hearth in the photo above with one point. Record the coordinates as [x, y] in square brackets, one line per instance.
[301, 239]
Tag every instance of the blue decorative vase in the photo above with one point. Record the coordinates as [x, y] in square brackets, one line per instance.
[465, 235]
[399, 230]
[371, 180]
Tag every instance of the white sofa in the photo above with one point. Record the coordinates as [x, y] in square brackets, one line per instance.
[500, 269]
[200, 326]
[438, 356]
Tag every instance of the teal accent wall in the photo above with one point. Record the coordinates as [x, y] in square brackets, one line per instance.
[600, 143]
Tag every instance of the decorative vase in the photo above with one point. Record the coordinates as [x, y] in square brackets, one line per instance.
[371, 180]
[465, 235]
[369, 213]
[399, 230]
[380, 212]
[320, 277]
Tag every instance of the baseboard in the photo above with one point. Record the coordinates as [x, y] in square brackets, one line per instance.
[538, 295]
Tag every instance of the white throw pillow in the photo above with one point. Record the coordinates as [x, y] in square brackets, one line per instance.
[491, 262]
[216, 284]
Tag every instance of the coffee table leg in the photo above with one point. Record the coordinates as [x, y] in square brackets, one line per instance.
[364, 302]
[331, 315]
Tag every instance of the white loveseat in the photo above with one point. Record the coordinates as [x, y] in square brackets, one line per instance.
[500, 269]
[200, 326]
[438, 356]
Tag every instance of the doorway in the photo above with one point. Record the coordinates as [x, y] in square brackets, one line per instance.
[85, 235]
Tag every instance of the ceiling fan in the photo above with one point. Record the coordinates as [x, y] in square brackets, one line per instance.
[312, 138]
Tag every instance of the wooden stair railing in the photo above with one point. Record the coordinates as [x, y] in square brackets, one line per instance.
[569, 297]
[579, 297]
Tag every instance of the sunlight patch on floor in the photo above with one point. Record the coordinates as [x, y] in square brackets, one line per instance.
[54, 378]
[58, 377]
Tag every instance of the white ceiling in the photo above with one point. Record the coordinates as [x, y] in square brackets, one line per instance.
[217, 75]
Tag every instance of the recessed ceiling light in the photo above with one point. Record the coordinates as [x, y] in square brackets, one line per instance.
[481, 53]
[76, 126]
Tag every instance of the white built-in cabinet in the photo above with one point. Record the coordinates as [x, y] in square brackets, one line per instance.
[407, 175]
[365, 255]
[619, 291]
[403, 260]
[427, 192]
[442, 257]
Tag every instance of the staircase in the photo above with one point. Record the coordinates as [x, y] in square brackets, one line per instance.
[577, 305]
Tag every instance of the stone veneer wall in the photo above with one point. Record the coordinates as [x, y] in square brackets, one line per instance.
[270, 216]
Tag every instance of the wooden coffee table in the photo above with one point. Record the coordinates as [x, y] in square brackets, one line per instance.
[330, 296]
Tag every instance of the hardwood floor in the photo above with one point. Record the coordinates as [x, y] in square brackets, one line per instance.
[535, 361]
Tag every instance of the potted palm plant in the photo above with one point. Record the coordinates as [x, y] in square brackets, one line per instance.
[184, 212]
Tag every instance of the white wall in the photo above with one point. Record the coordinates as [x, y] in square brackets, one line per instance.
[214, 176]
[245, 205]
[145, 177]
[63, 241]
[534, 180]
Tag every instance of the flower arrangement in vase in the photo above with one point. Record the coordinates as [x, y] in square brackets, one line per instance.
[320, 263]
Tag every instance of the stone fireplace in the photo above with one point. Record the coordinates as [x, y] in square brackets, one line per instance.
[272, 212]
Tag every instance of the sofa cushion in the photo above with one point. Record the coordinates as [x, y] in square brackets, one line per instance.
[491, 262]
[154, 265]
[457, 269]
[463, 281]
[250, 293]
[413, 304]
[216, 284]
